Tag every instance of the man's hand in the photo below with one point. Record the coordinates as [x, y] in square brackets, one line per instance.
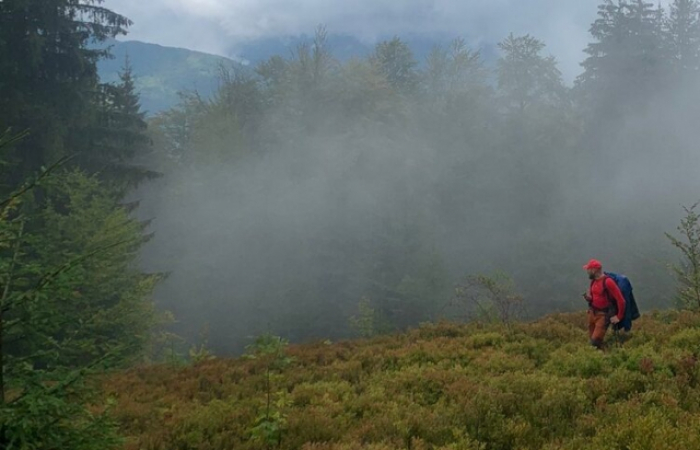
[587, 296]
[614, 320]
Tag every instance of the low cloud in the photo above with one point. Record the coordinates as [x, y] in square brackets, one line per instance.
[217, 26]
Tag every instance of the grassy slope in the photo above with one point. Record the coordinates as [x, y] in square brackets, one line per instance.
[538, 386]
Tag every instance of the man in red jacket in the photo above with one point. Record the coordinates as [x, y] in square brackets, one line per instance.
[605, 301]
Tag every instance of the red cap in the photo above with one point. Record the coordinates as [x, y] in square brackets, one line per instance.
[593, 264]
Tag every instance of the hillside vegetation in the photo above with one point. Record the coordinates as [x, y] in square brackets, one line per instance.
[528, 386]
[320, 198]
[161, 73]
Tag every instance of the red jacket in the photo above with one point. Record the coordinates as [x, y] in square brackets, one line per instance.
[603, 301]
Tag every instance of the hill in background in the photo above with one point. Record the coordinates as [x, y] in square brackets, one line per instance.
[162, 72]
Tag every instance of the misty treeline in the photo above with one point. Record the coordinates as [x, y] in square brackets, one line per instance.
[312, 196]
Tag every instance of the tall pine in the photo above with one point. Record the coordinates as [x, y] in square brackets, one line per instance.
[683, 31]
[627, 58]
[120, 140]
[626, 67]
[72, 300]
[49, 75]
[72, 303]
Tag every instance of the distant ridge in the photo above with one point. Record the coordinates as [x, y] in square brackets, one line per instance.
[161, 72]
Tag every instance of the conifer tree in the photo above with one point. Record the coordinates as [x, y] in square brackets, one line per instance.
[120, 137]
[72, 304]
[49, 75]
[683, 31]
[628, 58]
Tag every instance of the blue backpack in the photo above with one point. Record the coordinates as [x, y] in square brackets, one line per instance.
[631, 309]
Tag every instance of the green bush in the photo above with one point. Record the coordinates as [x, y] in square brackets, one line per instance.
[687, 339]
[571, 360]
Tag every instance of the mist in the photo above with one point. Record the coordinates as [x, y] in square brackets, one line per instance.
[299, 191]
[360, 242]
[225, 28]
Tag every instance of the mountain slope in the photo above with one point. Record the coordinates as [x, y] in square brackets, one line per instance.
[528, 386]
[162, 72]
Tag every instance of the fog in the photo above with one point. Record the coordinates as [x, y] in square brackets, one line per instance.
[294, 194]
[224, 27]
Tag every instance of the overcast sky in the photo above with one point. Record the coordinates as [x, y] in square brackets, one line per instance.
[216, 26]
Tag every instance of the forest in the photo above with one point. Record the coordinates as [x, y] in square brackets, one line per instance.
[313, 186]
[437, 208]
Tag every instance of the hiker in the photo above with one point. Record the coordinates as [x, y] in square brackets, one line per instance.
[606, 303]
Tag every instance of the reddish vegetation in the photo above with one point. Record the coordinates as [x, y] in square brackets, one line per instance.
[444, 386]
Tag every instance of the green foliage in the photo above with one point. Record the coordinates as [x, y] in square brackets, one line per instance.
[395, 61]
[164, 346]
[490, 298]
[163, 72]
[271, 425]
[525, 77]
[50, 76]
[629, 36]
[72, 305]
[452, 70]
[271, 422]
[170, 350]
[687, 338]
[73, 302]
[367, 322]
[97, 297]
[121, 135]
[44, 420]
[688, 271]
[201, 352]
[270, 349]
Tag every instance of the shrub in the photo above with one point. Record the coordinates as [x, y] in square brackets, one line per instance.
[439, 387]
[576, 361]
[687, 339]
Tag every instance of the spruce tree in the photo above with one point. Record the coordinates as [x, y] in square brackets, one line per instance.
[628, 58]
[72, 304]
[49, 75]
[120, 137]
[683, 32]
